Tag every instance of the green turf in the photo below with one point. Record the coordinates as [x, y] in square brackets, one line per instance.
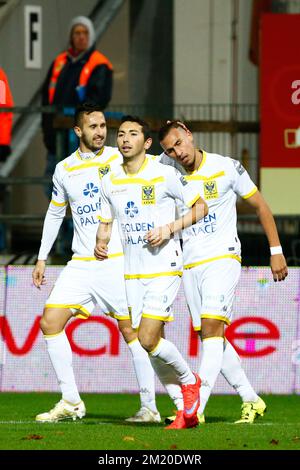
[104, 429]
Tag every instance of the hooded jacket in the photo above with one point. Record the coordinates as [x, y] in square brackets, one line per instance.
[72, 80]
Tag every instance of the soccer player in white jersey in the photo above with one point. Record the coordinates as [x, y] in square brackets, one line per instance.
[141, 195]
[85, 281]
[212, 258]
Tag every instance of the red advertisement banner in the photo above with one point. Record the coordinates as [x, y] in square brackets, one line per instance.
[265, 332]
[280, 91]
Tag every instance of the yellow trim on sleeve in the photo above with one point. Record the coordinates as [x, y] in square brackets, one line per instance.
[150, 276]
[208, 260]
[193, 201]
[58, 204]
[197, 328]
[250, 194]
[85, 313]
[104, 221]
[156, 317]
[53, 336]
[216, 317]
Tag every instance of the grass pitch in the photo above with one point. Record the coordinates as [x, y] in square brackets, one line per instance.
[104, 428]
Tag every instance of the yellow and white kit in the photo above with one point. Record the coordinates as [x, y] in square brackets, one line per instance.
[211, 247]
[84, 281]
[141, 202]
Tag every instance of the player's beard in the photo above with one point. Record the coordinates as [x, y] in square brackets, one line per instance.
[89, 143]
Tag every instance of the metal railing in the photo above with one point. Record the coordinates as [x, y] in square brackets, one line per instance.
[221, 128]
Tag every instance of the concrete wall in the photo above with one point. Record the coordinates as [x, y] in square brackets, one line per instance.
[151, 55]
[204, 53]
[115, 44]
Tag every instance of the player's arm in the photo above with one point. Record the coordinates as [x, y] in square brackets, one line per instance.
[103, 234]
[277, 261]
[198, 210]
[102, 240]
[38, 274]
[53, 220]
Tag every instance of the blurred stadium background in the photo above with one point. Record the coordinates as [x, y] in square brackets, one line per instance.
[230, 68]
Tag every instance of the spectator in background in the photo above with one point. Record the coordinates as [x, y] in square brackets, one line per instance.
[79, 74]
[6, 119]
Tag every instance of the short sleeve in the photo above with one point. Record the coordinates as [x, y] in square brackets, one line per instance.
[166, 160]
[105, 213]
[179, 188]
[241, 181]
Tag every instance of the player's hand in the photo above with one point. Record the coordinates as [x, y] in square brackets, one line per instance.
[278, 267]
[158, 235]
[38, 274]
[101, 251]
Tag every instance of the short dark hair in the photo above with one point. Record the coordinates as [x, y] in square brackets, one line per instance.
[164, 130]
[144, 125]
[85, 108]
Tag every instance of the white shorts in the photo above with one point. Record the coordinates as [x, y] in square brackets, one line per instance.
[83, 284]
[151, 298]
[209, 290]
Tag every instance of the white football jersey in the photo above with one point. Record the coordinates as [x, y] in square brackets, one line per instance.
[141, 202]
[77, 181]
[218, 180]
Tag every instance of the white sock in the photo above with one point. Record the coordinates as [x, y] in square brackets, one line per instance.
[60, 353]
[169, 354]
[144, 374]
[168, 379]
[210, 366]
[234, 374]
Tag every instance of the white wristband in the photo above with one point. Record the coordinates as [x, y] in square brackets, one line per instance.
[276, 250]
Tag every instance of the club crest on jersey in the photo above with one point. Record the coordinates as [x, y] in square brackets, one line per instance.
[148, 194]
[103, 170]
[210, 189]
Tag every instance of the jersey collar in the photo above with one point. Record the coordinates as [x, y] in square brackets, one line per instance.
[88, 155]
[204, 156]
[129, 175]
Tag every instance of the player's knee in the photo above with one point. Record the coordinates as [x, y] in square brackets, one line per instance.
[128, 333]
[44, 324]
[49, 325]
[148, 342]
